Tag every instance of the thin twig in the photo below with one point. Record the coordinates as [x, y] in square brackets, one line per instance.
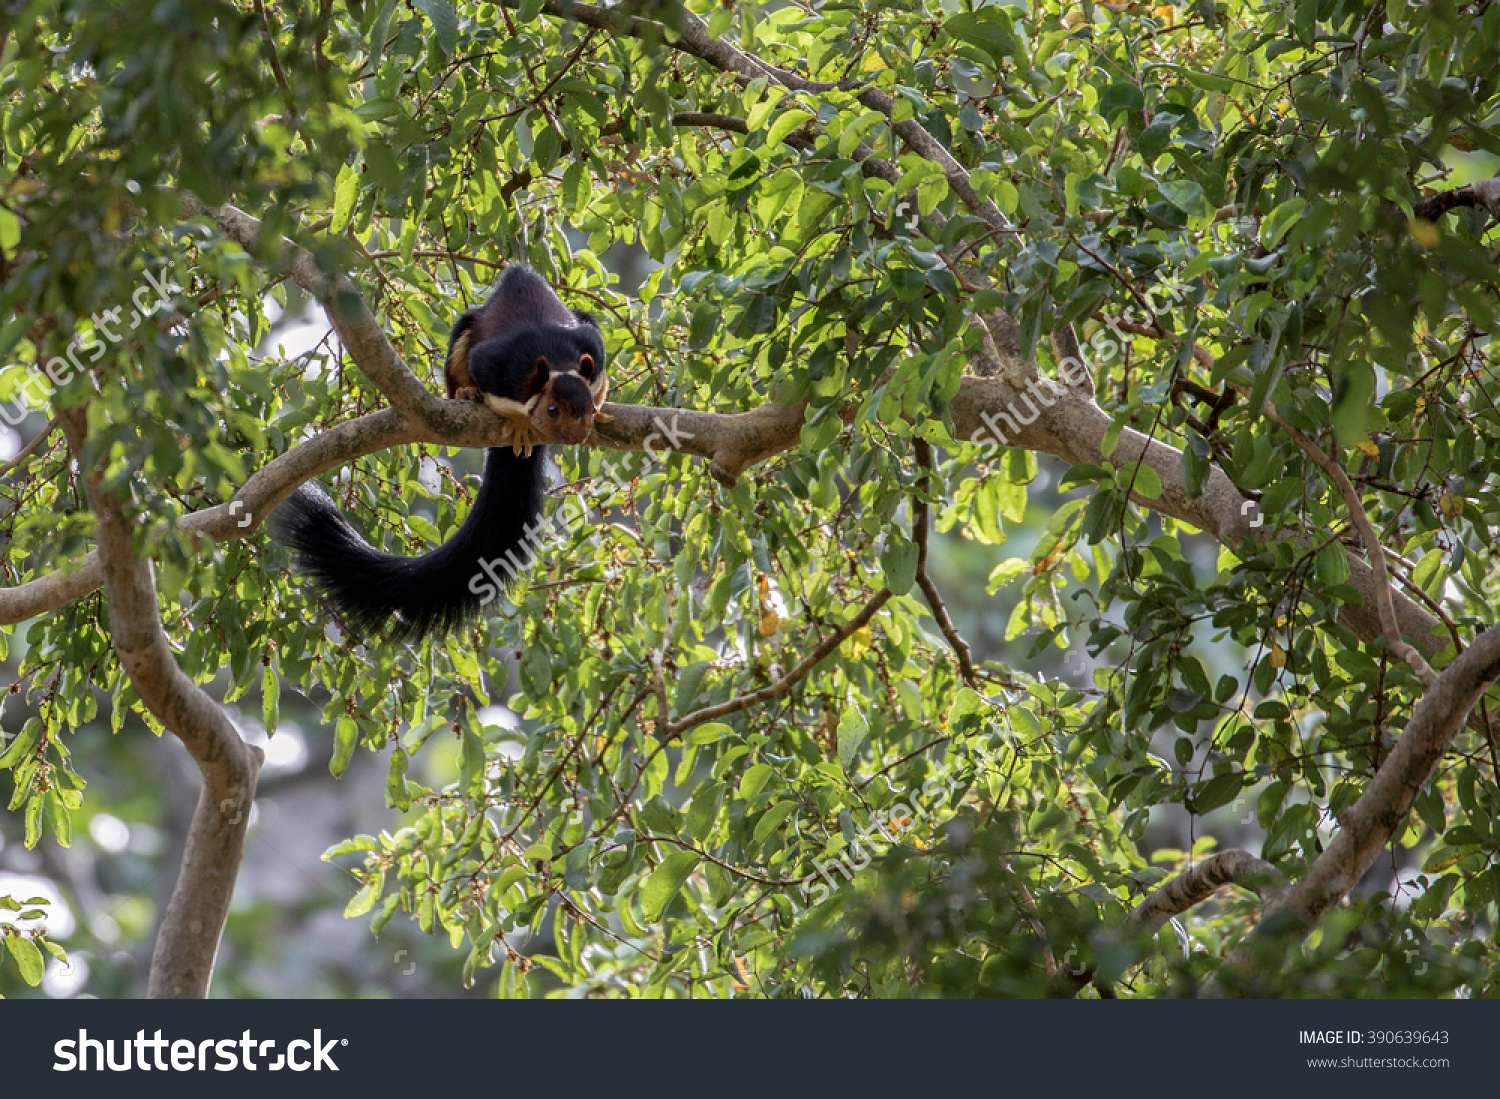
[1373, 550]
[786, 682]
[29, 449]
[919, 524]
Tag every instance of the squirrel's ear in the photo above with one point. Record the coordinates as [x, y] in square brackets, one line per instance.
[537, 380]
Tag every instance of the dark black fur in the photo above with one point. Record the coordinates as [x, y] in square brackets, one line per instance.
[412, 597]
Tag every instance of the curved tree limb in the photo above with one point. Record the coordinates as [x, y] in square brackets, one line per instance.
[1484, 193]
[1189, 889]
[189, 937]
[1371, 821]
[1196, 885]
[357, 329]
[1374, 552]
[1045, 416]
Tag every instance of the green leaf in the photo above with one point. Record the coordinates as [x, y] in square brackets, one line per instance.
[28, 958]
[1332, 565]
[967, 705]
[1140, 479]
[786, 122]
[1216, 792]
[474, 763]
[899, 562]
[753, 780]
[987, 29]
[1196, 464]
[854, 730]
[58, 819]
[444, 22]
[379, 33]
[1353, 403]
[662, 886]
[24, 743]
[709, 732]
[1207, 81]
[1187, 196]
[365, 899]
[1121, 96]
[350, 846]
[345, 737]
[270, 698]
[772, 819]
[345, 193]
[396, 790]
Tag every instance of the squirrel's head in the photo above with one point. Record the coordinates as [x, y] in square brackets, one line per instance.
[565, 410]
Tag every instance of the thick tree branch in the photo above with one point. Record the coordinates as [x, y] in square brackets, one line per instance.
[357, 329]
[1190, 888]
[1044, 416]
[1485, 193]
[189, 938]
[1371, 821]
[1194, 886]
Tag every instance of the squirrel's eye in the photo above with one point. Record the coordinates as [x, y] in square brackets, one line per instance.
[552, 411]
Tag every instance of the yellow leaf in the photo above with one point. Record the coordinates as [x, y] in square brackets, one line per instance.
[1424, 233]
[1368, 447]
[768, 623]
[1278, 656]
[859, 642]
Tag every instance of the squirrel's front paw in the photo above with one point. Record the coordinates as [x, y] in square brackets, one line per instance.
[468, 393]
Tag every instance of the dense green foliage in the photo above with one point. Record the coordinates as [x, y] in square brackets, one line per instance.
[1253, 168]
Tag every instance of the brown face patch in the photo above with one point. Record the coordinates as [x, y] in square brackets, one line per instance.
[566, 409]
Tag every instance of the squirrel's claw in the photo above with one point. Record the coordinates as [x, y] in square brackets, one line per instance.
[517, 417]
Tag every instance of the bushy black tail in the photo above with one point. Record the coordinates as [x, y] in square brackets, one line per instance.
[408, 598]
